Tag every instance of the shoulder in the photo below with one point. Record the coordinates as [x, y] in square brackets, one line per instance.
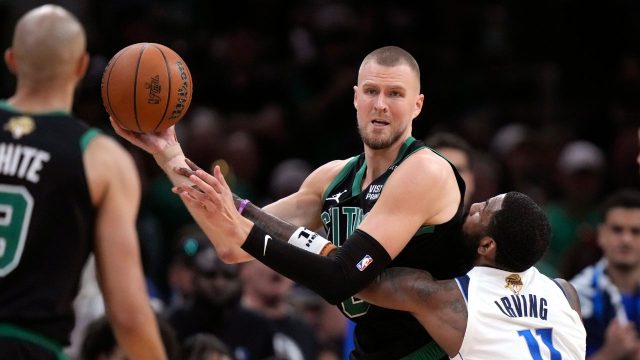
[334, 167]
[325, 174]
[570, 292]
[104, 156]
[105, 149]
[107, 163]
[425, 165]
[425, 184]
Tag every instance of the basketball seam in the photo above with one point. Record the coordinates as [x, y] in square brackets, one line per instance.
[166, 107]
[135, 89]
[110, 69]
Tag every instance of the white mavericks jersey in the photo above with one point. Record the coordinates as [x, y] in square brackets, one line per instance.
[518, 316]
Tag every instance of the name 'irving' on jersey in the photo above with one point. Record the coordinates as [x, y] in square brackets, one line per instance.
[520, 305]
[24, 162]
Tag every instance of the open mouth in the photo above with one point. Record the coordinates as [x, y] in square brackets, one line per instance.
[379, 122]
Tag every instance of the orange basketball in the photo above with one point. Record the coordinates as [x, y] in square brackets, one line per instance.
[146, 87]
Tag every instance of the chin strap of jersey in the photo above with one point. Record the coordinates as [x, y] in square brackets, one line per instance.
[335, 277]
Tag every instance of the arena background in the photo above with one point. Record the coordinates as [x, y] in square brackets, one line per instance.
[273, 86]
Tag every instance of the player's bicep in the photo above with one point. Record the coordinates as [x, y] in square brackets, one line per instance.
[409, 200]
[301, 208]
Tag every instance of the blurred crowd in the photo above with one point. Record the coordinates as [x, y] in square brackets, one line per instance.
[544, 97]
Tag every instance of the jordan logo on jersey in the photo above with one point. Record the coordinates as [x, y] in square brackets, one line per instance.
[513, 282]
[336, 197]
[19, 126]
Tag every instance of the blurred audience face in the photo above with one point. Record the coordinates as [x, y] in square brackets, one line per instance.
[214, 281]
[265, 285]
[619, 237]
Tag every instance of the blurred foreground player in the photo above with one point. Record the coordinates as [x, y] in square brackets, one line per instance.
[65, 191]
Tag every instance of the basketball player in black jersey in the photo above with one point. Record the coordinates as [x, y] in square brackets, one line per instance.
[398, 203]
[65, 191]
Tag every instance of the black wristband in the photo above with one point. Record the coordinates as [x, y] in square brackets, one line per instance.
[255, 242]
[335, 277]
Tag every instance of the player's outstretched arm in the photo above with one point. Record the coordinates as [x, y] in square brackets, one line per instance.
[362, 257]
[335, 277]
[115, 190]
[302, 208]
[168, 154]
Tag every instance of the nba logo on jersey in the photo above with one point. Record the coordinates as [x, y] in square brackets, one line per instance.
[362, 264]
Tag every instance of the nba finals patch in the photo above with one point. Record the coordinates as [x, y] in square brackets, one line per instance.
[366, 261]
[513, 282]
[20, 126]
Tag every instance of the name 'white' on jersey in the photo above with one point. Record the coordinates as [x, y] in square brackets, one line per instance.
[518, 316]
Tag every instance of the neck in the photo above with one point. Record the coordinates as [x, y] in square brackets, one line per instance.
[42, 99]
[625, 278]
[378, 161]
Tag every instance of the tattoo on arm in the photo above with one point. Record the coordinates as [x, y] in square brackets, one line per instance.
[417, 286]
[455, 304]
[273, 225]
[269, 223]
[401, 288]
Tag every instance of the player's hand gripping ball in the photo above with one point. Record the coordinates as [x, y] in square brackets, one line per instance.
[146, 87]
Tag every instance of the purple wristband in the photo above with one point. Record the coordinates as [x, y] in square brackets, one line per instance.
[243, 204]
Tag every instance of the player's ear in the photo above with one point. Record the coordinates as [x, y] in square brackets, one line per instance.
[487, 247]
[355, 97]
[10, 60]
[418, 106]
[82, 66]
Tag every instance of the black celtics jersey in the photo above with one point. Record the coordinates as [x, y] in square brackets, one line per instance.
[382, 333]
[46, 220]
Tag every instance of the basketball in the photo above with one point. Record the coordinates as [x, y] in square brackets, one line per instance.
[146, 87]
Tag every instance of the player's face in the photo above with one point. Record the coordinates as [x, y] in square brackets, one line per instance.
[387, 99]
[480, 215]
[619, 237]
[214, 281]
[476, 223]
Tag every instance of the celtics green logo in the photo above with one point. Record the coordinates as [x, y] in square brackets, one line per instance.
[16, 204]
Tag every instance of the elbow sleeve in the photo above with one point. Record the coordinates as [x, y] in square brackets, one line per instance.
[336, 277]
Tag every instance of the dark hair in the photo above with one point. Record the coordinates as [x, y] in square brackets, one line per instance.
[392, 56]
[445, 139]
[521, 232]
[624, 198]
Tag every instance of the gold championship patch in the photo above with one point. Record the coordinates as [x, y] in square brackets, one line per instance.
[513, 282]
[20, 126]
